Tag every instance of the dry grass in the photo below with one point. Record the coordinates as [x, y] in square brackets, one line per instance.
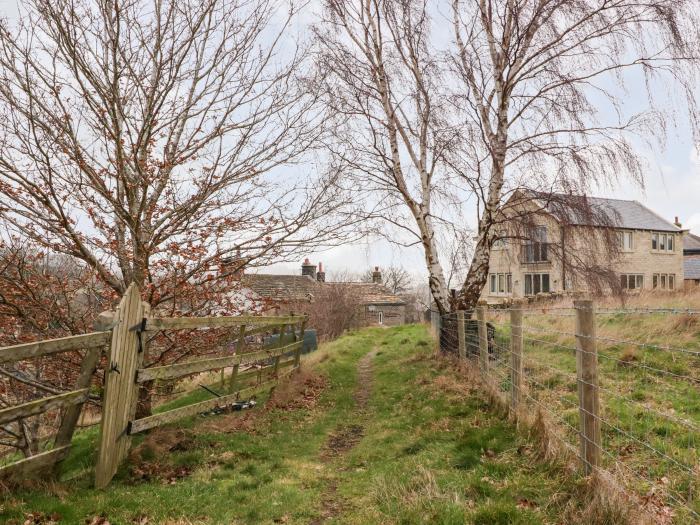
[648, 374]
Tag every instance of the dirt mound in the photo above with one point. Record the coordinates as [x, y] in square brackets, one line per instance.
[301, 391]
[149, 460]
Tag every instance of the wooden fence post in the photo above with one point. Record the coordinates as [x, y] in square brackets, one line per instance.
[120, 389]
[297, 355]
[460, 336]
[516, 354]
[240, 347]
[483, 337]
[587, 378]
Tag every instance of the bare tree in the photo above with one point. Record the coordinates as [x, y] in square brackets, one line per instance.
[337, 307]
[382, 85]
[536, 117]
[41, 296]
[142, 138]
[394, 278]
[542, 94]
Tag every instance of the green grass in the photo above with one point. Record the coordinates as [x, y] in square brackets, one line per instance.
[650, 401]
[431, 451]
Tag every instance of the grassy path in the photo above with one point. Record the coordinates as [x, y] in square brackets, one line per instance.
[375, 431]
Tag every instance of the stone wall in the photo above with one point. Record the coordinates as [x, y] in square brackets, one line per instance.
[392, 315]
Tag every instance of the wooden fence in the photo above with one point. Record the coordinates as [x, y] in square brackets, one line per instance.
[127, 333]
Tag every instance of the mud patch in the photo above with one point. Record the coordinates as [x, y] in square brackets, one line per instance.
[342, 440]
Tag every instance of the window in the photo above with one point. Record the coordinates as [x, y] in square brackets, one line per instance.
[500, 283]
[664, 281]
[535, 250]
[663, 242]
[631, 281]
[625, 241]
[500, 241]
[381, 317]
[536, 283]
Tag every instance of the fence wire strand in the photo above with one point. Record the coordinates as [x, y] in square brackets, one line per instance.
[623, 420]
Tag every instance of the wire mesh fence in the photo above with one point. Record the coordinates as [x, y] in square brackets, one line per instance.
[620, 391]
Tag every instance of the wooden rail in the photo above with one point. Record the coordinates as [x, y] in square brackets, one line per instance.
[204, 365]
[180, 323]
[53, 346]
[126, 332]
[39, 406]
[157, 420]
[34, 465]
[69, 402]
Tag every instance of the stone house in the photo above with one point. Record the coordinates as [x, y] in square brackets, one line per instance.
[691, 260]
[650, 254]
[290, 293]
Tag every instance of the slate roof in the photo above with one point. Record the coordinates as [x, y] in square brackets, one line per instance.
[691, 267]
[281, 287]
[294, 288]
[629, 215]
[691, 244]
[373, 293]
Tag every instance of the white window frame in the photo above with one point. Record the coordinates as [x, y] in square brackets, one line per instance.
[665, 239]
[381, 317]
[500, 283]
[664, 281]
[626, 241]
[540, 278]
[636, 279]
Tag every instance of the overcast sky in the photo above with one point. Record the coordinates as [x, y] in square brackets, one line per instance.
[672, 188]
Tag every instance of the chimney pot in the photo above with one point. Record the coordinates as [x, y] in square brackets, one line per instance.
[321, 275]
[677, 223]
[307, 268]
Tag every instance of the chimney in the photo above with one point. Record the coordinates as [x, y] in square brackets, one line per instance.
[234, 264]
[678, 223]
[321, 275]
[308, 269]
[377, 276]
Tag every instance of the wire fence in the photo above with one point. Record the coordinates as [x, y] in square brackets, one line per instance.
[618, 387]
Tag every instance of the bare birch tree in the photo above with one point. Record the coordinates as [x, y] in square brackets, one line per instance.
[536, 115]
[543, 98]
[381, 83]
[142, 137]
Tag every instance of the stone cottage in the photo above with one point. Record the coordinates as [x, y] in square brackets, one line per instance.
[285, 293]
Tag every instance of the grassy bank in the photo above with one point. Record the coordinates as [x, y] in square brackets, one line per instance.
[375, 430]
[649, 372]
